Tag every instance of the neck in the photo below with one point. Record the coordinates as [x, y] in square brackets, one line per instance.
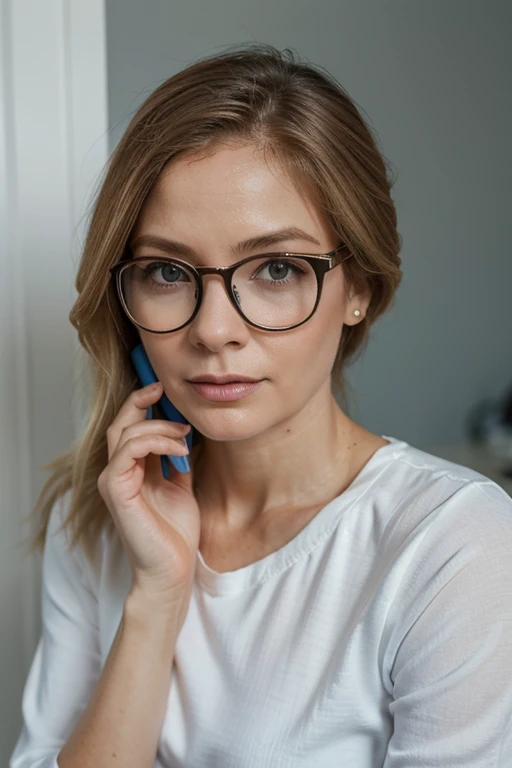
[299, 463]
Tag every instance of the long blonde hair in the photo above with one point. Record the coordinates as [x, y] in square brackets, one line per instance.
[251, 94]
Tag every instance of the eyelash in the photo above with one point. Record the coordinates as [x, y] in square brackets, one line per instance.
[149, 270]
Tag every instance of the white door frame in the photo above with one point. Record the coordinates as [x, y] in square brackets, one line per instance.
[53, 149]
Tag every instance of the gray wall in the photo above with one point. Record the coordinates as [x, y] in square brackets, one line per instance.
[434, 79]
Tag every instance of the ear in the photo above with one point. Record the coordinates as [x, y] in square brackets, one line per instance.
[358, 301]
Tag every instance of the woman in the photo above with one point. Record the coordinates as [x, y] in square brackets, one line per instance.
[310, 593]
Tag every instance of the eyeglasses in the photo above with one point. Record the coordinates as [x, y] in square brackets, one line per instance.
[273, 291]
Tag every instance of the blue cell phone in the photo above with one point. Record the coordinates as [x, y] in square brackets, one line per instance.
[163, 406]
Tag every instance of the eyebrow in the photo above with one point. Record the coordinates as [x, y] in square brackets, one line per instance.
[245, 246]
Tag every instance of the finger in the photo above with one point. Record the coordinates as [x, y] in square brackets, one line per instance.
[173, 429]
[133, 410]
[124, 459]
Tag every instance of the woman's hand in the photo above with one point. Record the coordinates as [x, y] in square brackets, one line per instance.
[158, 520]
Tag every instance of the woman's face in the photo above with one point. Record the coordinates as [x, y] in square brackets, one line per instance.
[211, 204]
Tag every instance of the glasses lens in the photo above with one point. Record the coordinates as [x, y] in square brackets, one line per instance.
[273, 291]
[160, 295]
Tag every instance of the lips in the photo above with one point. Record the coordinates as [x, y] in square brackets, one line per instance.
[224, 383]
[225, 392]
[228, 378]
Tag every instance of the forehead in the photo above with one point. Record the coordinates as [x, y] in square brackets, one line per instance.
[231, 185]
[244, 169]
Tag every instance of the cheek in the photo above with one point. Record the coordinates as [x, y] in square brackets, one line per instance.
[160, 353]
[310, 353]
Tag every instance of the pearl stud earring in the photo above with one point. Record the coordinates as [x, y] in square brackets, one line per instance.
[357, 312]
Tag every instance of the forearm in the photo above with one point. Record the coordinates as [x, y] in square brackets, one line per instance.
[122, 722]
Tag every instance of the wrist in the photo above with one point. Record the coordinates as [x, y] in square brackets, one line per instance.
[143, 607]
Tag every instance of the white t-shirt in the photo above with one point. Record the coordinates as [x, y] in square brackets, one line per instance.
[379, 637]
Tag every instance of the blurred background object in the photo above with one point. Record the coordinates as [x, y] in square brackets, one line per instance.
[488, 444]
[490, 425]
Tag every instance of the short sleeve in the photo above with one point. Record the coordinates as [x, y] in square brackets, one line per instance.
[451, 674]
[67, 661]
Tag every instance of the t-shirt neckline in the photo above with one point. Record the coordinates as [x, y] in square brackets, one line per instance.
[318, 528]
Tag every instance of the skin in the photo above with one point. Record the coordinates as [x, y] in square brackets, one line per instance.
[274, 458]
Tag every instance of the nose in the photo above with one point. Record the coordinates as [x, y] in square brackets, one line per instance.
[217, 318]
[220, 294]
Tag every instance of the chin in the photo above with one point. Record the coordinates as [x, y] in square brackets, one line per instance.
[228, 433]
